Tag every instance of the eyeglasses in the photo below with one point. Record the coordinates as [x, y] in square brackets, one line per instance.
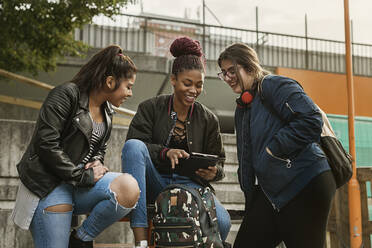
[230, 72]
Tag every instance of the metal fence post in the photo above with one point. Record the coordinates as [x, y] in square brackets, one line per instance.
[307, 48]
[204, 25]
[145, 36]
[257, 39]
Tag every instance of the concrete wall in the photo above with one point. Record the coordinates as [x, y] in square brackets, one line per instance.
[16, 135]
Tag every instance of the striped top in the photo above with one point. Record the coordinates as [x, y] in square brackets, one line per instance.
[97, 135]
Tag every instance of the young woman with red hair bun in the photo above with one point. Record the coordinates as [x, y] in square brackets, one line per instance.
[167, 128]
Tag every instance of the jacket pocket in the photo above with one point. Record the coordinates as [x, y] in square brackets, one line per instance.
[273, 172]
[287, 161]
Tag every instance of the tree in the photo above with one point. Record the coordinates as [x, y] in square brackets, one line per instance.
[36, 33]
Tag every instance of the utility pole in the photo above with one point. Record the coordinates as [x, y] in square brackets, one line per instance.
[355, 219]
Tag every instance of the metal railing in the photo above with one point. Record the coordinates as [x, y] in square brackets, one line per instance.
[37, 105]
[153, 35]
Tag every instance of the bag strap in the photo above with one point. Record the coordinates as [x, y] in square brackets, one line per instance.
[201, 206]
[265, 103]
[193, 192]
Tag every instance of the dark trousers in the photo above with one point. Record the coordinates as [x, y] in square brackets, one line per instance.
[300, 224]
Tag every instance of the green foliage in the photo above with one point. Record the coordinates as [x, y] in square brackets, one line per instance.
[35, 33]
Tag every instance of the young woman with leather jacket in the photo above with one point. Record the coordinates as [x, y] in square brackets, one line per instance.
[283, 172]
[167, 128]
[62, 171]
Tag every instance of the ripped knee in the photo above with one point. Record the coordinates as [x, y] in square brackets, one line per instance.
[60, 208]
[126, 190]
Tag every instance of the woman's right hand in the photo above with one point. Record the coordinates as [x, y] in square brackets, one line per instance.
[99, 172]
[175, 154]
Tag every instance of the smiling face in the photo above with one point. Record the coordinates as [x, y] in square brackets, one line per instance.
[229, 75]
[187, 87]
[119, 95]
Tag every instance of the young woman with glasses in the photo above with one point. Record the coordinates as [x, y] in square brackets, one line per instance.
[62, 171]
[283, 172]
[167, 128]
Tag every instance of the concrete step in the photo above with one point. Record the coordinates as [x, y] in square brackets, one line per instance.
[12, 236]
[112, 245]
[231, 157]
[229, 193]
[235, 224]
[8, 189]
[231, 175]
[14, 140]
[228, 139]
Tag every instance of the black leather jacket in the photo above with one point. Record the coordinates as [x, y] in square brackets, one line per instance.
[152, 124]
[60, 141]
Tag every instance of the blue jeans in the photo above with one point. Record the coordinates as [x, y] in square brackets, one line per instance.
[52, 229]
[136, 161]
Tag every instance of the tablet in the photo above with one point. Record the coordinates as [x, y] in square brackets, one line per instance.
[196, 161]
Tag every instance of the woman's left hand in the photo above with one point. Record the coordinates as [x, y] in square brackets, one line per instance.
[207, 174]
[93, 164]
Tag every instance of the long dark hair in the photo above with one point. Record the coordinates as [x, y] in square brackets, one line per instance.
[188, 55]
[110, 61]
[242, 54]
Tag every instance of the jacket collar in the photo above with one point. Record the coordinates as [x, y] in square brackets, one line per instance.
[170, 107]
[83, 116]
[84, 100]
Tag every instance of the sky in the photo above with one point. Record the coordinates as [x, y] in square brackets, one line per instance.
[325, 18]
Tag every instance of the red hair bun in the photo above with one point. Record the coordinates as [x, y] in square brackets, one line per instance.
[185, 46]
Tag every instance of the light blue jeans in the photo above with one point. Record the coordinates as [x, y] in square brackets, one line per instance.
[52, 229]
[137, 162]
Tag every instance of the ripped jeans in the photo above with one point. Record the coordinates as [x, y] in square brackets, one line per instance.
[52, 229]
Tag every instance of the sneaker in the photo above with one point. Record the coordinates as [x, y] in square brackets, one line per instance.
[78, 243]
[141, 244]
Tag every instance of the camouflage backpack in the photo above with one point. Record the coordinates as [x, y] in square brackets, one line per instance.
[186, 217]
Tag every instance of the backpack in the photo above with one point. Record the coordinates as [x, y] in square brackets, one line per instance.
[185, 217]
[339, 160]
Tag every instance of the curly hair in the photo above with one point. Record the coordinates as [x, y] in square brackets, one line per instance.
[188, 55]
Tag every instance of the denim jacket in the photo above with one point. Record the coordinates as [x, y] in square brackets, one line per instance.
[279, 149]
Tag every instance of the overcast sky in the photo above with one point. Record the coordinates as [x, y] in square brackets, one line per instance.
[325, 17]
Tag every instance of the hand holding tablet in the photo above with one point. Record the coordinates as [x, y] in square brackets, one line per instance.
[197, 161]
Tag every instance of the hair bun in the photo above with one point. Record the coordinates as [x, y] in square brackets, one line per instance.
[185, 46]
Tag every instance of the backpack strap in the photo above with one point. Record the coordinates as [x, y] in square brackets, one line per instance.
[262, 99]
[193, 192]
[265, 103]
